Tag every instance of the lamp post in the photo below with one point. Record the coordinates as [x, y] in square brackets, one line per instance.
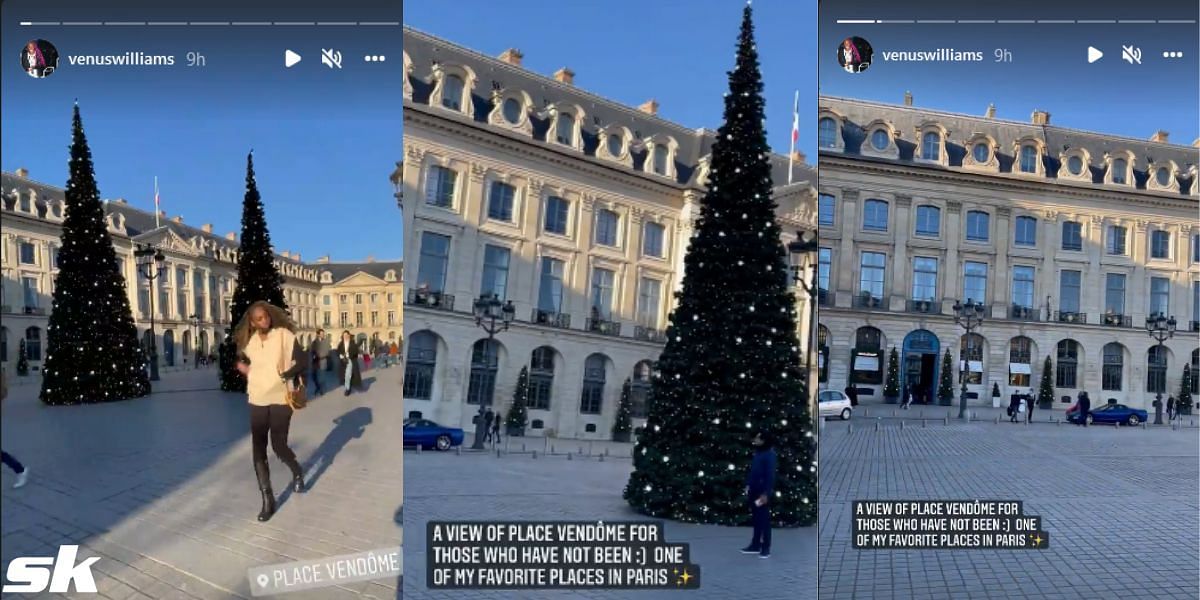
[1159, 327]
[493, 316]
[806, 243]
[150, 264]
[970, 317]
[195, 340]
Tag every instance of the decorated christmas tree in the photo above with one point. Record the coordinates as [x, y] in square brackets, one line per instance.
[518, 414]
[1183, 402]
[22, 360]
[92, 350]
[891, 387]
[1046, 387]
[257, 277]
[731, 365]
[945, 391]
[623, 423]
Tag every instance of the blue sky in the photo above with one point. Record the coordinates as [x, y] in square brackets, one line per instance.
[676, 51]
[324, 140]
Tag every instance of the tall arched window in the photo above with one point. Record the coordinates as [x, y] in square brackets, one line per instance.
[420, 365]
[452, 92]
[202, 349]
[1068, 365]
[1020, 361]
[591, 401]
[1156, 370]
[639, 392]
[822, 354]
[973, 353]
[541, 378]
[1114, 366]
[485, 361]
[33, 344]
[867, 357]
[187, 343]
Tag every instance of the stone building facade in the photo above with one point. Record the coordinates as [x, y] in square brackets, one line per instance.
[1070, 239]
[364, 298]
[575, 208]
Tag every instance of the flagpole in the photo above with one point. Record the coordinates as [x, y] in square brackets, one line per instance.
[792, 150]
[156, 211]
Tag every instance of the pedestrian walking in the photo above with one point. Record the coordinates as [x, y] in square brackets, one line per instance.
[1029, 406]
[394, 354]
[314, 369]
[487, 425]
[760, 485]
[321, 364]
[9, 460]
[347, 352]
[496, 429]
[1014, 406]
[366, 357]
[1023, 408]
[1170, 408]
[271, 360]
[852, 394]
[1085, 408]
[908, 399]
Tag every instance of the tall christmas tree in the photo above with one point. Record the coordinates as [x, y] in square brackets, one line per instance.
[1184, 401]
[517, 413]
[623, 422]
[92, 343]
[891, 386]
[1046, 386]
[731, 365]
[257, 276]
[945, 391]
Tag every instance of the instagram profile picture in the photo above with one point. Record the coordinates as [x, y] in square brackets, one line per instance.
[39, 58]
[854, 54]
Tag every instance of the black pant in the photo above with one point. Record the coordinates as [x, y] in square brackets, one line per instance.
[272, 421]
[760, 516]
[11, 462]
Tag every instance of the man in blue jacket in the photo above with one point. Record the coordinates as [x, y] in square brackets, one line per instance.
[760, 486]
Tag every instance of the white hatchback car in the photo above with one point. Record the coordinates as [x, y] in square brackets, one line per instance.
[832, 403]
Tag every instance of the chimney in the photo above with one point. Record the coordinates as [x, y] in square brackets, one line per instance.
[23, 172]
[565, 75]
[206, 228]
[296, 256]
[370, 258]
[908, 98]
[991, 111]
[1160, 136]
[121, 201]
[512, 56]
[231, 236]
[649, 107]
[324, 260]
[1040, 117]
[286, 254]
[178, 219]
[798, 157]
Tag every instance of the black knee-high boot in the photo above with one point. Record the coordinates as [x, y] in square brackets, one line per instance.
[297, 475]
[264, 485]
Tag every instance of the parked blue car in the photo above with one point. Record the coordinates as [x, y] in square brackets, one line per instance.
[1112, 413]
[427, 434]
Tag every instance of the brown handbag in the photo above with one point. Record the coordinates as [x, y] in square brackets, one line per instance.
[297, 396]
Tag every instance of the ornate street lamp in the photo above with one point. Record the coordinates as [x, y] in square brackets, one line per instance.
[806, 242]
[150, 264]
[195, 340]
[1159, 327]
[493, 316]
[970, 317]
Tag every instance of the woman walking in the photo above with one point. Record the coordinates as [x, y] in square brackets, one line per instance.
[9, 460]
[348, 353]
[270, 359]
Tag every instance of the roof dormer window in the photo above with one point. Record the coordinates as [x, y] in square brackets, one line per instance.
[1075, 165]
[452, 92]
[1119, 168]
[564, 130]
[566, 121]
[660, 158]
[452, 87]
[512, 110]
[1029, 157]
[827, 132]
[616, 145]
[1162, 176]
[879, 139]
[931, 146]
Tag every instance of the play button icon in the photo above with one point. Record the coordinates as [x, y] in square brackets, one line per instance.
[290, 58]
[1094, 54]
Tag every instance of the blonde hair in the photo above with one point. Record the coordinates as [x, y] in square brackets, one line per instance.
[279, 318]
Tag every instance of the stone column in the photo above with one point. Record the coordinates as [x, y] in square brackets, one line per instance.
[466, 254]
[1137, 287]
[1050, 247]
[410, 178]
[1093, 278]
[901, 268]
[1001, 282]
[953, 286]
[844, 274]
[584, 221]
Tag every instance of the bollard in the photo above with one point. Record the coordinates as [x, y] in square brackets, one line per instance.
[901, 425]
[893, 412]
[570, 456]
[876, 425]
[589, 448]
[850, 428]
[946, 421]
[419, 446]
[534, 454]
[601, 458]
[458, 450]
[997, 419]
[921, 413]
[923, 424]
[1143, 425]
[864, 411]
[551, 449]
[522, 446]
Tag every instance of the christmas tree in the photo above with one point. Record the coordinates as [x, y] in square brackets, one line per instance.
[891, 388]
[1183, 402]
[945, 392]
[1046, 387]
[257, 277]
[517, 413]
[92, 350]
[731, 365]
[623, 423]
[22, 360]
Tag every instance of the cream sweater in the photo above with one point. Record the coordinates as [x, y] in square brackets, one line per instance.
[264, 386]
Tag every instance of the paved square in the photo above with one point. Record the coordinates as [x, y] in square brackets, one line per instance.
[473, 486]
[1122, 506]
[163, 490]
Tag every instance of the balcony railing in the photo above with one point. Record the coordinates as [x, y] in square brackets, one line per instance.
[434, 300]
[825, 297]
[1116, 320]
[603, 327]
[862, 301]
[1024, 313]
[650, 334]
[1066, 316]
[550, 319]
[931, 307]
[34, 310]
